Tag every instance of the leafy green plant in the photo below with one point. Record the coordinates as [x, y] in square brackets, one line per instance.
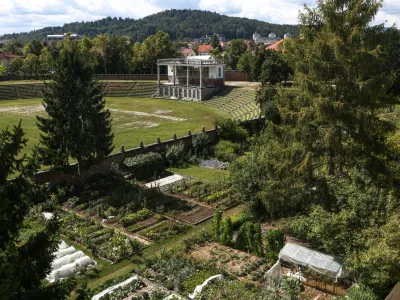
[136, 217]
[292, 287]
[360, 292]
[275, 240]
[229, 130]
[176, 155]
[201, 144]
[226, 150]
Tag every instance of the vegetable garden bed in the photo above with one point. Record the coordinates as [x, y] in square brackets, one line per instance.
[239, 263]
[102, 242]
[164, 230]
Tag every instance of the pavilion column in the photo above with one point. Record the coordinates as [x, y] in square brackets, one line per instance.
[158, 74]
[200, 77]
[187, 76]
[174, 74]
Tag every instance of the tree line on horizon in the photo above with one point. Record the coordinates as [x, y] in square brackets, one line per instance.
[181, 25]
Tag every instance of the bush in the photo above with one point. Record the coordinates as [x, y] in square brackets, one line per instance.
[176, 155]
[136, 217]
[227, 151]
[201, 144]
[275, 242]
[145, 165]
[229, 130]
[292, 287]
[361, 292]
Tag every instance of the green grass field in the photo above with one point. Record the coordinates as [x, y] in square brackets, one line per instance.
[201, 173]
[134, 119]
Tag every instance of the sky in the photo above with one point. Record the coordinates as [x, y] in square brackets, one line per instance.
[27, 15]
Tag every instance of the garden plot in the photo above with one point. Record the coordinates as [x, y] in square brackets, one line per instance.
[103, 242]
[164, 230]
[213, 194]
[239, 263]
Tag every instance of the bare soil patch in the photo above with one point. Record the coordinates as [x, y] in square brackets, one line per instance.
[26, 110]
[144, 114]
[197, 214]
[239, 263]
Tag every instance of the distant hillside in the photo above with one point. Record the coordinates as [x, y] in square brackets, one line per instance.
[180, 24]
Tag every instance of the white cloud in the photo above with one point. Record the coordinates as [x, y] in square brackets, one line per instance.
[26, 15]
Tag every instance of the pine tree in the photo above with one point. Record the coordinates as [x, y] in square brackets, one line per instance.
[24, 264]
[76, 126]
[216, 225]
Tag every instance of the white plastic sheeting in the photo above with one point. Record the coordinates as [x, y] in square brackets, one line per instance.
[112, 288]
[65, 251]
[70, 269]
[322, 263]
[48, 215]
[199, 288]
[62, 245]
[67, 259]
[274, 276]
[164, 181]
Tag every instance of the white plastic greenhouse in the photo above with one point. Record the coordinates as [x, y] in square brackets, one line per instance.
[322, 263]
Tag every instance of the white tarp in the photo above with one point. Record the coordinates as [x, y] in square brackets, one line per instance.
[199, 288]
[317, 261]
[65, 251]
[112, 288]
[164, 181]
[67, 259]
[273, 276]
[70, 269]
[48, 215]
[62, 245]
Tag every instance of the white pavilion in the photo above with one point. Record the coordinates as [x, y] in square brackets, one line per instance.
[194, 78]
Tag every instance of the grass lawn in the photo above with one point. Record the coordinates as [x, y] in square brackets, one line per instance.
[134, 119]
[200, 173]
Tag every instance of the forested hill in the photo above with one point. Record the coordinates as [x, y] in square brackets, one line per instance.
[180, 24]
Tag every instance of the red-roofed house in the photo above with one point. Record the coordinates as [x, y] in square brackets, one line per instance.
[277, 46]
[6, 58]
[188, 52]
[205, 50]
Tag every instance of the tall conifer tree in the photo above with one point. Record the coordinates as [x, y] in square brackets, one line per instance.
[332, 120]
[77, 124]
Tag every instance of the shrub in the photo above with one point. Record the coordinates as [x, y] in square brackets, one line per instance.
[226, 150]
[145, 165]
[292, 287]
[200, 145]
[226, 231]
[361, 292]
[275, 242]
[176, 155]
[229, 130]
[216, 224]
[136, 217]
